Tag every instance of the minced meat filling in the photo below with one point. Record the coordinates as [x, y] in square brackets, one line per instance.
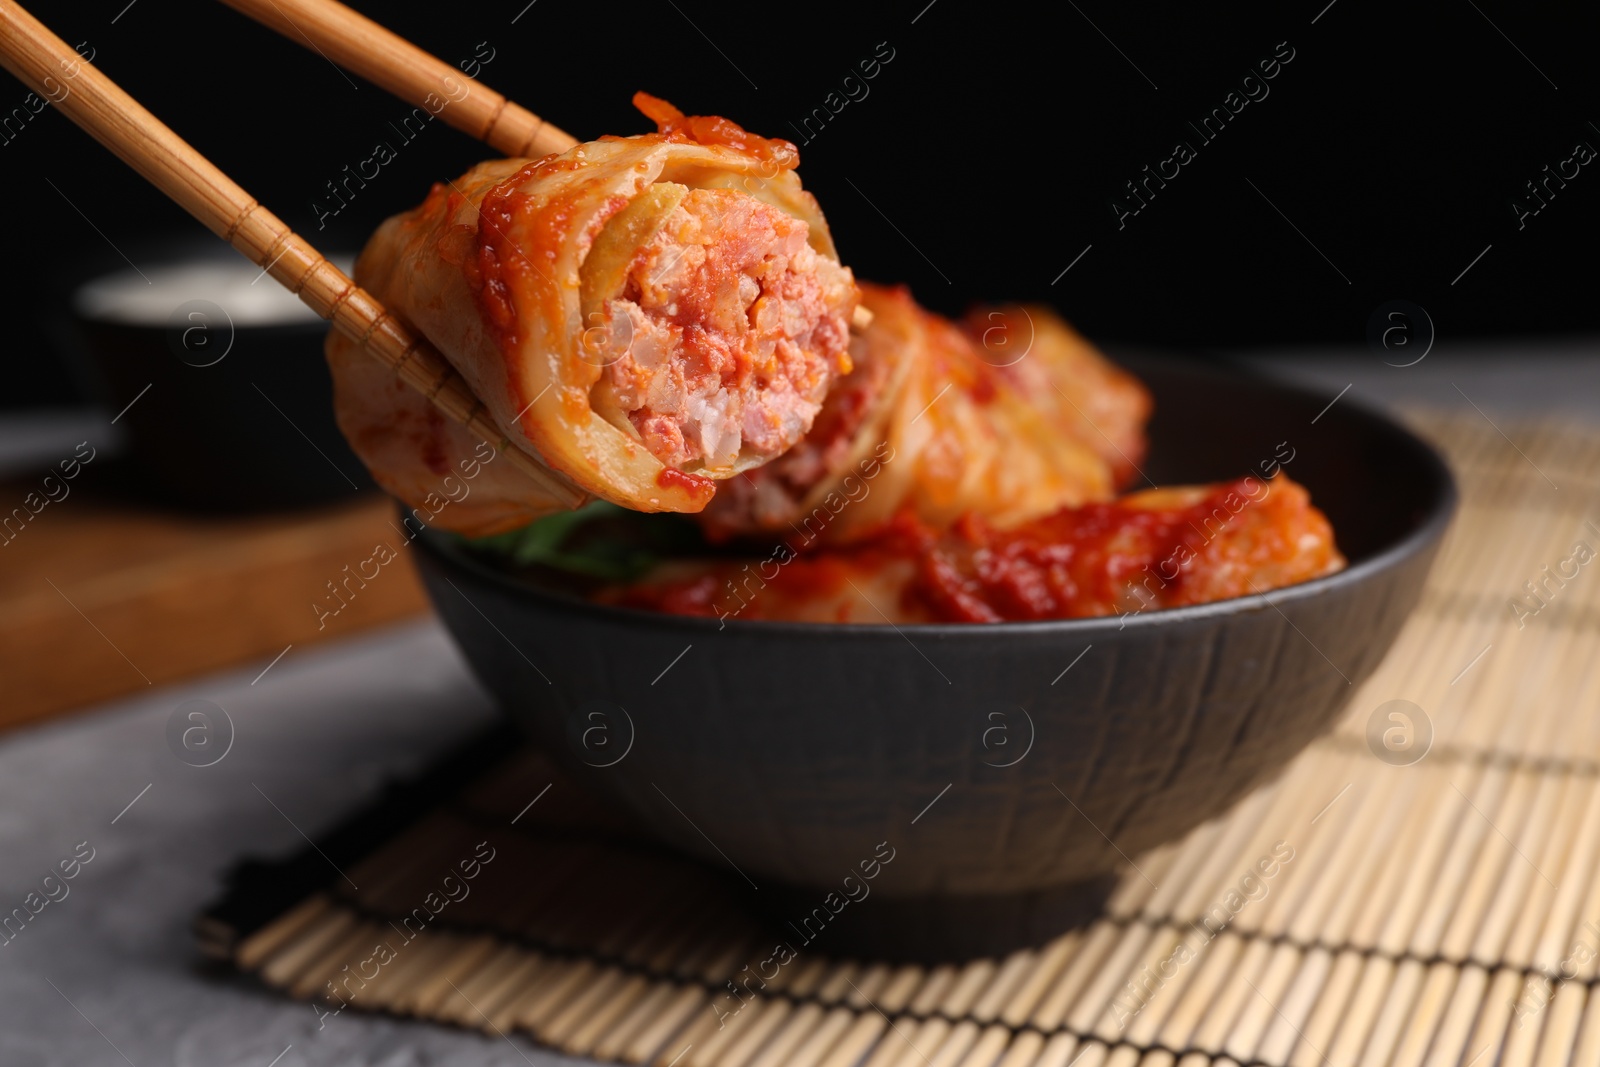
[727, 333]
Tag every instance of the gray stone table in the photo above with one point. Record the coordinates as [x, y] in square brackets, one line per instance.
[108, 974]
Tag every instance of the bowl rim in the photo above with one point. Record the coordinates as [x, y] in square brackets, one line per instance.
[445, 546]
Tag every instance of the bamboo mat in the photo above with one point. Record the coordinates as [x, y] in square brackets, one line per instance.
[1355, 913]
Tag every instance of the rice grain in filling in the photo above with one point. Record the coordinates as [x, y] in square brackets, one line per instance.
[726, 334]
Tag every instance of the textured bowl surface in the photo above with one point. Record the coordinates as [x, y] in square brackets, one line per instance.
[991, 759]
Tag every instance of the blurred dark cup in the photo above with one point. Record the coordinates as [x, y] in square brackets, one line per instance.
[216, 376]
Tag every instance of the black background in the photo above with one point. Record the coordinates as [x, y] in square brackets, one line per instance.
[982, 161]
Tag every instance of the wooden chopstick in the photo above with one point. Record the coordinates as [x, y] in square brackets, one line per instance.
[386, 59]
[42, 60]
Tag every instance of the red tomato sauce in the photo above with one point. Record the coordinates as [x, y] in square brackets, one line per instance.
[1150, 550]
[1237, 538]
[697, 486]
[714, 130]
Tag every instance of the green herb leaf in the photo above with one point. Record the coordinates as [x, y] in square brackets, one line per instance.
[599, 541]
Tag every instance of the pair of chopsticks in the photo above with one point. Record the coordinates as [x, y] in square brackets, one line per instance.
[47, 64]
[39, 58]
[388, 60]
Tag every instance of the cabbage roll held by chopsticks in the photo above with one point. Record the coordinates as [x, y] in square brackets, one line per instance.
[644, 315]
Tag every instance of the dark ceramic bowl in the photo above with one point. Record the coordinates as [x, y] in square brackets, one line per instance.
[1004, 764]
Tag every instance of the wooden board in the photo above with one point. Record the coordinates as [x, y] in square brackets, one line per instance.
[1361, 910]
[101, 598]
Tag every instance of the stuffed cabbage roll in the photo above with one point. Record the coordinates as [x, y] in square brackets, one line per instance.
[1010, 417]
[1159, 548]
[643, 315]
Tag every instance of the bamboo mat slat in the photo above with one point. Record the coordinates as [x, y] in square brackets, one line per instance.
[1444, 913]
